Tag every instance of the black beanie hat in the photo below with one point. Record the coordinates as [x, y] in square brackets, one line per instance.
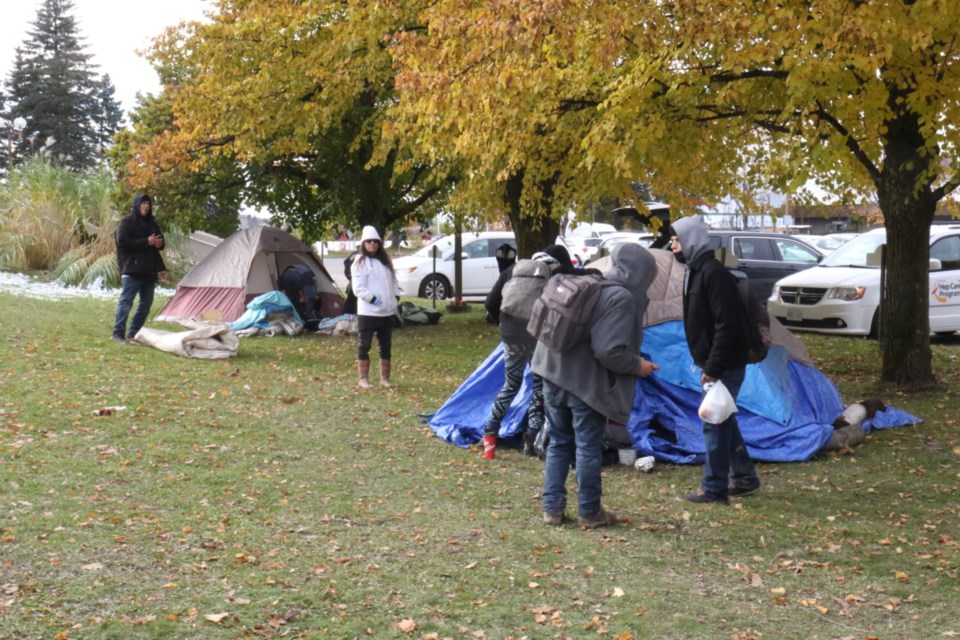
[559, 253]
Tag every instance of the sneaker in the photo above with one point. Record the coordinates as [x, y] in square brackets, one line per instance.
[553, 518]
[601, 519]
[706, 498]
[739, 492]
[120, 339]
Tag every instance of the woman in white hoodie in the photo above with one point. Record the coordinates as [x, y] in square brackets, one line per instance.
[375, 285]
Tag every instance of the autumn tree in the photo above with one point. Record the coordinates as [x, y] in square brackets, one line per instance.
[495, 90]
[293, 94]
[207, 201]
[861, 95]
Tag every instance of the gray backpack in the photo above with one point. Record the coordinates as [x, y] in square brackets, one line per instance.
[524, 287]
[561, 315]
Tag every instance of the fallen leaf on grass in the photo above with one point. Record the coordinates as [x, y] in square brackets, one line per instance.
[902, 576]
[617, 592]
[216, 617]
[407, 626]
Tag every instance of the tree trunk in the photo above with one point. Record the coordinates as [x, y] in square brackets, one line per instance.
[533, 234]
[908, 208]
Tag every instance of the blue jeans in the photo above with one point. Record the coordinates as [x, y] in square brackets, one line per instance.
[131, 285]
[576, 433]
[726, 453]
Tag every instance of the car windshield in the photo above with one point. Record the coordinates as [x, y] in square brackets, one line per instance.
[862, 251]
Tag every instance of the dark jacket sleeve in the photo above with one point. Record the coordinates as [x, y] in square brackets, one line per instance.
[495, 297]
[729, 346]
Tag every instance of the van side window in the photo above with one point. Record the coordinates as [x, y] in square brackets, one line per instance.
[792, 251]
[947, 251]
[477, 249]
[753, 249]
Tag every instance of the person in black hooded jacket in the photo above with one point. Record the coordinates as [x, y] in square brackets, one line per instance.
[139, 242]
[716, 328]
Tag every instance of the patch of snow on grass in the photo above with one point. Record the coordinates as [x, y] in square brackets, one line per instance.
[30, 287]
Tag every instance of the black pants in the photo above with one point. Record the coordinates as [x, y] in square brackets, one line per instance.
[367, 326]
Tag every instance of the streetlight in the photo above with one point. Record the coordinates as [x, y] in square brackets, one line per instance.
[18, 125]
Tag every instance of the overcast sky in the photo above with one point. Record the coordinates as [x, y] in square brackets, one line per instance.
[112, 30]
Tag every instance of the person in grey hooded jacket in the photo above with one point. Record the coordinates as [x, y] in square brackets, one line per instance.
[594, 381]
[716, 328]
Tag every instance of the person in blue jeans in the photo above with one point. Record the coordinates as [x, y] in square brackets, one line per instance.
[591, 382]
[717, 333]
[139, 243]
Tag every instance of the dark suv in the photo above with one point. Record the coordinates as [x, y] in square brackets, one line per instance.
[764, 257]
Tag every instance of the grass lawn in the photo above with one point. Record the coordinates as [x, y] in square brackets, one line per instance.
[266, 497]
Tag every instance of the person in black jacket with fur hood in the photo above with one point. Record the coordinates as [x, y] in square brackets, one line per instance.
[139, 242]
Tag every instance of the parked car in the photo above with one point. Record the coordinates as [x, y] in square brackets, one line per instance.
[842, 294]
[415, 273]
[764, 258]
[613, 239]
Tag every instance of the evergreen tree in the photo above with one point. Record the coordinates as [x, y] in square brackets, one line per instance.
[5, 123]
[53, 85]
[107, 115]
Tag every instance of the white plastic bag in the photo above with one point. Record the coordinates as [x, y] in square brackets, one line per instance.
[718, 404]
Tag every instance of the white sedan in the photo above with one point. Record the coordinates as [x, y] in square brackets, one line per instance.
[841, 295]
[417, 278]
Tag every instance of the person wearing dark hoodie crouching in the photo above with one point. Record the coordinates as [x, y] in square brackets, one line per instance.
[591, 382]
[715, 324]
[139, 242]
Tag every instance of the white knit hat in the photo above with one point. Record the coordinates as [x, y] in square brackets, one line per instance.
[369, 233]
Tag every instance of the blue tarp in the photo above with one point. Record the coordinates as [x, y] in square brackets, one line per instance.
[786, 412]
[262, 306]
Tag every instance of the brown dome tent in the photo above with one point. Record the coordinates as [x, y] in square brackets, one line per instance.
[242, 267]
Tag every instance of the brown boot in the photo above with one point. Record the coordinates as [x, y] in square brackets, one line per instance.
[363, 369]
[385, 373]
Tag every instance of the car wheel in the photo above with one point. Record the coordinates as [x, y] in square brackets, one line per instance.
[875, 325]
[435, 287]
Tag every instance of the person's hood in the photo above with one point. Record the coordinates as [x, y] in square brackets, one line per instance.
[370, 233]
[560, 254]
[140, 197]
[635, 268]
[692, 232]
